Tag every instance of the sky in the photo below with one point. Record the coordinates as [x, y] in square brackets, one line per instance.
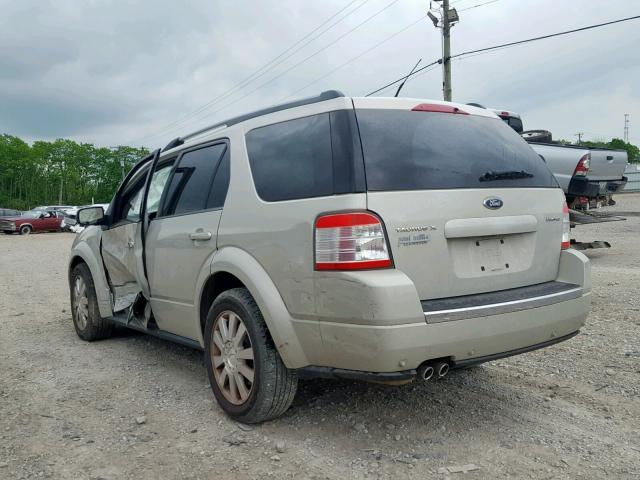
[124, 72]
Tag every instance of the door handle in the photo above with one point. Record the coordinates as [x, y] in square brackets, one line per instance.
[200, 236]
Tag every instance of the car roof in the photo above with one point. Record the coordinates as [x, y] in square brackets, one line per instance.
[214, 131]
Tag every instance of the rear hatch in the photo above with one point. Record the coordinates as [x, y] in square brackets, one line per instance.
[468, 206]
[607, 164]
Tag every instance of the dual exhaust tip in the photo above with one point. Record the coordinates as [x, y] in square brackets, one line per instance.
[429, 370]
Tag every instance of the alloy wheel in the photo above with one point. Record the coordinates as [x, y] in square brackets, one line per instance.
[80, 303]
[232, 357]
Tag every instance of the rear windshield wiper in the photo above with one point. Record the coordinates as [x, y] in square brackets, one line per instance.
[508, 175]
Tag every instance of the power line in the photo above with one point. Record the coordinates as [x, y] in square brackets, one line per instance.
[510, 44]
[336, 40]
[478, 5]
[306, 58]
[274, 62]
[360, 55]
[566, 32]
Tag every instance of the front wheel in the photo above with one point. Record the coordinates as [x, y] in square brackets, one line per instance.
[247, 375]
[25, 230]
[87, 321]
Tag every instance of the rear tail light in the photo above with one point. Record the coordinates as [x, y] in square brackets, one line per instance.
[350, 241]
[582, 169]
[566, 227]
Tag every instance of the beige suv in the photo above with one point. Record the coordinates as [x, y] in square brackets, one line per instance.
[380, 239]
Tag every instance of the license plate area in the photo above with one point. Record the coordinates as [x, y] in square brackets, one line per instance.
[488, 255]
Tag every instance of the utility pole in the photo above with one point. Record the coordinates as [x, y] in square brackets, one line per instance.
[444, 18]
[626, 128]
[579, 135]
[446, 52]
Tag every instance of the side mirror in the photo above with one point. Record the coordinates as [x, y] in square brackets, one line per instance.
[90, 216]
[41, 216]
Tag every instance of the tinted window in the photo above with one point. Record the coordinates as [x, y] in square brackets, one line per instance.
[406, 150]
[292, 159]
[191, 181]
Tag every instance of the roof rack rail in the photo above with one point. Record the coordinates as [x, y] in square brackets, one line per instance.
[327, 95]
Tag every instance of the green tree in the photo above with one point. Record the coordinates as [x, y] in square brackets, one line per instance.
[61, 172]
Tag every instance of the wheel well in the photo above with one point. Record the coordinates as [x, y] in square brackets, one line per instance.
[74, 263]
[216, 284]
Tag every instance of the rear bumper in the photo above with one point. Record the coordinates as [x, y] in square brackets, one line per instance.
[464, 338]
[583, 187]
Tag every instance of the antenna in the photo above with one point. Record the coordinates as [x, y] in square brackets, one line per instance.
[407, 78]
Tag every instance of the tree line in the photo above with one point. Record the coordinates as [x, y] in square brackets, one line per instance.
[61, 172]
[64, 172]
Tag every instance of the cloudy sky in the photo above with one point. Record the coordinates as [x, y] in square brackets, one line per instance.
[132, 72]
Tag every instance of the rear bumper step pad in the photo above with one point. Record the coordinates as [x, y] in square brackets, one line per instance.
[496, 303]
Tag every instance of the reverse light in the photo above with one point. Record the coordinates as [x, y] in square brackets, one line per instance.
[566, 227]
[350, 241]
[582, 169]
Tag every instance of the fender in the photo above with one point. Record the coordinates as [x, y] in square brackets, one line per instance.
[84, 251]
[245, 267]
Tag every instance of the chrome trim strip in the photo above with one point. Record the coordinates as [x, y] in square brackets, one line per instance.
[438, 316]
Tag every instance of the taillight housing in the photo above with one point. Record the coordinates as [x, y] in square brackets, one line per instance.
[350, 241]
[582, 169]
[566, 227]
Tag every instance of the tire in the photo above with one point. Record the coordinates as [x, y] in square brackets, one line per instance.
[271, 392]
[87, 321]
[25, 230]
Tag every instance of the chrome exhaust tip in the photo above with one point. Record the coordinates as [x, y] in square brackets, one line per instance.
[425, 372]
[441, 369]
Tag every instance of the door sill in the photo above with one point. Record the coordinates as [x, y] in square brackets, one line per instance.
[134, 324]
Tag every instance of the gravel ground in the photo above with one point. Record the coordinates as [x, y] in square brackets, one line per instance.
[137, 407]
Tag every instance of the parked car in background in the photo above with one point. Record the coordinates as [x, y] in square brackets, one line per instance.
[588, 176]
[8, 212]
[259, 241]
[53, 208]
[32, 221]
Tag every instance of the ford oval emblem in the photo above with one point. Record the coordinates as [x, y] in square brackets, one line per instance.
[493, 203]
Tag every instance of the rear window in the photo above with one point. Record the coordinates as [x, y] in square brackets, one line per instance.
[407, 150]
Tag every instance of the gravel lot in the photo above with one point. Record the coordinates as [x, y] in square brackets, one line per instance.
[136, 407]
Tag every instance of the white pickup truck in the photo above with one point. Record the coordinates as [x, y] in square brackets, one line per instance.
[588, 176]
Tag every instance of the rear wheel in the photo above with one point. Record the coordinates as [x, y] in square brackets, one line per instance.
[25, 230]
[246, 373]
[87, 321]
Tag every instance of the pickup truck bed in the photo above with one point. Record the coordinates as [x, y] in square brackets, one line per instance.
[604, 177]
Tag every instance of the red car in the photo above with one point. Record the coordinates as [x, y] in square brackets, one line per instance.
[32, 221]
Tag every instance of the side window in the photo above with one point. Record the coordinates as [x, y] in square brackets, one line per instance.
[158, 182]
[292, 159]
[190, 184]
[130, 202]
[134, 205]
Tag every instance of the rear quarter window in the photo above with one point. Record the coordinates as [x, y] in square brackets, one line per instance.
[408, 150]
[307, 157]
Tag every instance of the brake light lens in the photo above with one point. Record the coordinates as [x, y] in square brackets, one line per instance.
[582, 169]
[434, 107]
[350, 241]
[566, 227]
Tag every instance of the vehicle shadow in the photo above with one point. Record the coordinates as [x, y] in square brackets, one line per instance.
[467, 400]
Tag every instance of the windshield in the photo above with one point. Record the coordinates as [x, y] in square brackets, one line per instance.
[32, 213]
[407, 150]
